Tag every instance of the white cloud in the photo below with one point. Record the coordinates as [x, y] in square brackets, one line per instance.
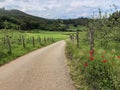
[76, 4]
[60, 8]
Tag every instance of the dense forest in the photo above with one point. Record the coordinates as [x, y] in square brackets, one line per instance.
[15, 19]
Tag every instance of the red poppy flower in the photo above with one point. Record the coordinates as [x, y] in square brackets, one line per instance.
[104, 61]
[91, 58]
[91, 52]
[86, 64]
[118, 57]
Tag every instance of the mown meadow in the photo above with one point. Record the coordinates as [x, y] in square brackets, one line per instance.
[15, 43]
[95, 60]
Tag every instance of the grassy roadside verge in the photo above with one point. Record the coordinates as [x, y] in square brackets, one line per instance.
[18, 50]
[100, 72]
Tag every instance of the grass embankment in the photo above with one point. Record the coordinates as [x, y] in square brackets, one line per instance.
[41, 39]
[98, 72]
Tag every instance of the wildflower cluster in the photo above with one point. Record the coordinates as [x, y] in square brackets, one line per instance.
[92, 57]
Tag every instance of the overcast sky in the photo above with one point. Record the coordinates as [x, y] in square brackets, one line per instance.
[60, 8]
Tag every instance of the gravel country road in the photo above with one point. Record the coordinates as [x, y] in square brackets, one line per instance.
[43, 69]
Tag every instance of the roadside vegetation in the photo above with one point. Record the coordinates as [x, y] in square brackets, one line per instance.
[14, 43]
[95, 63]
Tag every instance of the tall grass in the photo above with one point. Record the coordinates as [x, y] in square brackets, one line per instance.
[97, 72]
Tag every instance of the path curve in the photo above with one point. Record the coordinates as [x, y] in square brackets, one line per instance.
[43, 69]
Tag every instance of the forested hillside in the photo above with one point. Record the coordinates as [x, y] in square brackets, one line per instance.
[15, 19]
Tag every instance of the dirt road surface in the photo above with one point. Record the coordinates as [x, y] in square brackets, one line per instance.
[43, 69]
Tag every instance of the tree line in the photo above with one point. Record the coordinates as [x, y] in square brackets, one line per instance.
[15, 19]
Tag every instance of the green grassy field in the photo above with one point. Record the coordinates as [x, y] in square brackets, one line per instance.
[42, 34]
[56, 35]
[41, 39]
[73, 28]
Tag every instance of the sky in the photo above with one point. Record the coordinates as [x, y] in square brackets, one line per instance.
[62, 9]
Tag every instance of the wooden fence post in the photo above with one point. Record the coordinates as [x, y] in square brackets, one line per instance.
[91, 33]
[4, 40]
[23, 41]
[77, 38]
[9, 45]
[33, 40]
[39, 40]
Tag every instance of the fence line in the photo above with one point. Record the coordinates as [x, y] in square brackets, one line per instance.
[8, 43]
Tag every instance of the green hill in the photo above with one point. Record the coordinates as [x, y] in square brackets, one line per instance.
[16, 19]
[25, 21]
